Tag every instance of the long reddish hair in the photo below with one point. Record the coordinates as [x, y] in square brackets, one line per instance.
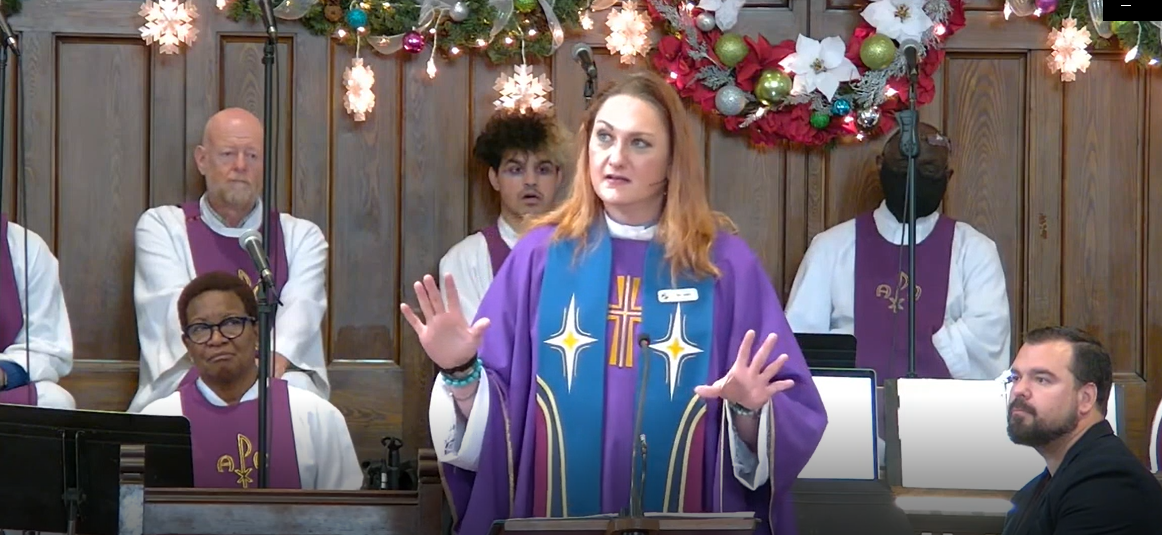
[687, 226]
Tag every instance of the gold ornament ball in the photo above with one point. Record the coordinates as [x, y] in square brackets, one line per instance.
[877, 52]
[730, 49]
[524, 6]
[772, 87]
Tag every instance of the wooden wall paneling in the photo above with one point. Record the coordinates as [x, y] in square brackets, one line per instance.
[363, 206]
[101, 178]
[435, 150]
[984, 116]
[1043, 203]
[1152, 242]
[1104, 211]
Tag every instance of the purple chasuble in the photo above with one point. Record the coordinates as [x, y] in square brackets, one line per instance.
[225, 440]
[881, 298]
[506, 480]
[11, 317]
[214, 252]
[497, 250]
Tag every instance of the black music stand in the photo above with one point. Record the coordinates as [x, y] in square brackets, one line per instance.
[61, 468]
[836, 351]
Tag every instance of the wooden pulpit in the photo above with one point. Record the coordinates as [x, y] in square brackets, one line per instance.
[168, 511]
[673, 524]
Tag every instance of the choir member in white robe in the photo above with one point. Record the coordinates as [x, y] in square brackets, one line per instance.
[35, 333]
[525, 153]
[962, 306]
[176, 243]
[311, 446]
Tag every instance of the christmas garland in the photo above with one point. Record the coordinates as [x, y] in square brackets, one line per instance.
[1076, 24]
[778, 93]
[526, 26]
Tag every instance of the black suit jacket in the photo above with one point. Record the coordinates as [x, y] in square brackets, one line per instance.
[1099, 489]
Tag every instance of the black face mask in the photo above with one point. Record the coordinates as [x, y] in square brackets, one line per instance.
[929, 193]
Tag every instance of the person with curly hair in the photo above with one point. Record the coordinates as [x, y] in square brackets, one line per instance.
[525, 153]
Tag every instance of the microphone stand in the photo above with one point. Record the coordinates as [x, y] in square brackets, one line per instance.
[637, 482]
[267, 300]
[910, 148]
[590, 84]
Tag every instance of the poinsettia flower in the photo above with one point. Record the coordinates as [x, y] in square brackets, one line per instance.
[819, 66]
[898, 19]
[725, 11]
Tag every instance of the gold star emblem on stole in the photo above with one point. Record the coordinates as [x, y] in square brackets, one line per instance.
[570, 341]
[676, 348]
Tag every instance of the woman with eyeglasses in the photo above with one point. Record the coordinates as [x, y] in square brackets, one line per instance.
[310, 445]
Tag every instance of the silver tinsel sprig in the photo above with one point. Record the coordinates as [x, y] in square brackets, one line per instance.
[697, 50]
[754, 116]
[715, 77]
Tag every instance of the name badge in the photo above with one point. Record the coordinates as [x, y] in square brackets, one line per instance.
[680, 295]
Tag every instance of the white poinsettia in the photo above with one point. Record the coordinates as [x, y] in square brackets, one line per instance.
[898, 19]
[725, 12]
[819, 65]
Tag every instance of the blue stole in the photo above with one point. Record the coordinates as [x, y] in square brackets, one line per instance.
[571, 366]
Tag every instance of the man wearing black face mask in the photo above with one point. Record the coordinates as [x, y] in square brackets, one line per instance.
[853, 279]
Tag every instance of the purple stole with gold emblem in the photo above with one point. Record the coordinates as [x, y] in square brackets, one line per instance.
[214, 252]
[497, 250]
[225, 440]
[881, 298]
[11, 317]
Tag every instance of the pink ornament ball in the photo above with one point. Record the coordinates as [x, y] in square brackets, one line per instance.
[413, 42]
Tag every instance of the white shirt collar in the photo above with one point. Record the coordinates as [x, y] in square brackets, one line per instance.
[897, 232]
[630, 232]
[217, 401]
[218, 224]
[507, 233]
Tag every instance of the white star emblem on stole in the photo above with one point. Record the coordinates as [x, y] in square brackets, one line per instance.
[675, 347]
[570, 340]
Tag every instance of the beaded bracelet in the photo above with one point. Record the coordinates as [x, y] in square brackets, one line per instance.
[472, 377]
[740, 410]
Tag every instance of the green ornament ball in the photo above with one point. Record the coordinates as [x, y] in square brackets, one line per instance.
[730, 49]
[524, 6]
[820, 120]
[1116, 25]
[877, 52]
[773, 86]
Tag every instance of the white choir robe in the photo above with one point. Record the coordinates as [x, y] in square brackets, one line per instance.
[471, 267]
[975, 339]
[326, 455]
[47, 332]
[165, 266]
[459, 442]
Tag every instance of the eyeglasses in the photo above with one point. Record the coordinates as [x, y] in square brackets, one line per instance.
[229, 328]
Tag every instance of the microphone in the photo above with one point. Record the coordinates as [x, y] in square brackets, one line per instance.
[251, 242]
[911, 49]
[8, 35]
[268, 16]
[583, 54]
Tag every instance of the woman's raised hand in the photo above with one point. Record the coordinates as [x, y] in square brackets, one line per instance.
[446, 337]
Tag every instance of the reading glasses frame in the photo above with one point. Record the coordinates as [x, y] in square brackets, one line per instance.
[230, 328]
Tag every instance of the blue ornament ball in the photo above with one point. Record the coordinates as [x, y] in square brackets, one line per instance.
[357, 18]
[841, 107]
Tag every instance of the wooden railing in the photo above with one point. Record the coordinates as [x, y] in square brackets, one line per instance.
[164, 511]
